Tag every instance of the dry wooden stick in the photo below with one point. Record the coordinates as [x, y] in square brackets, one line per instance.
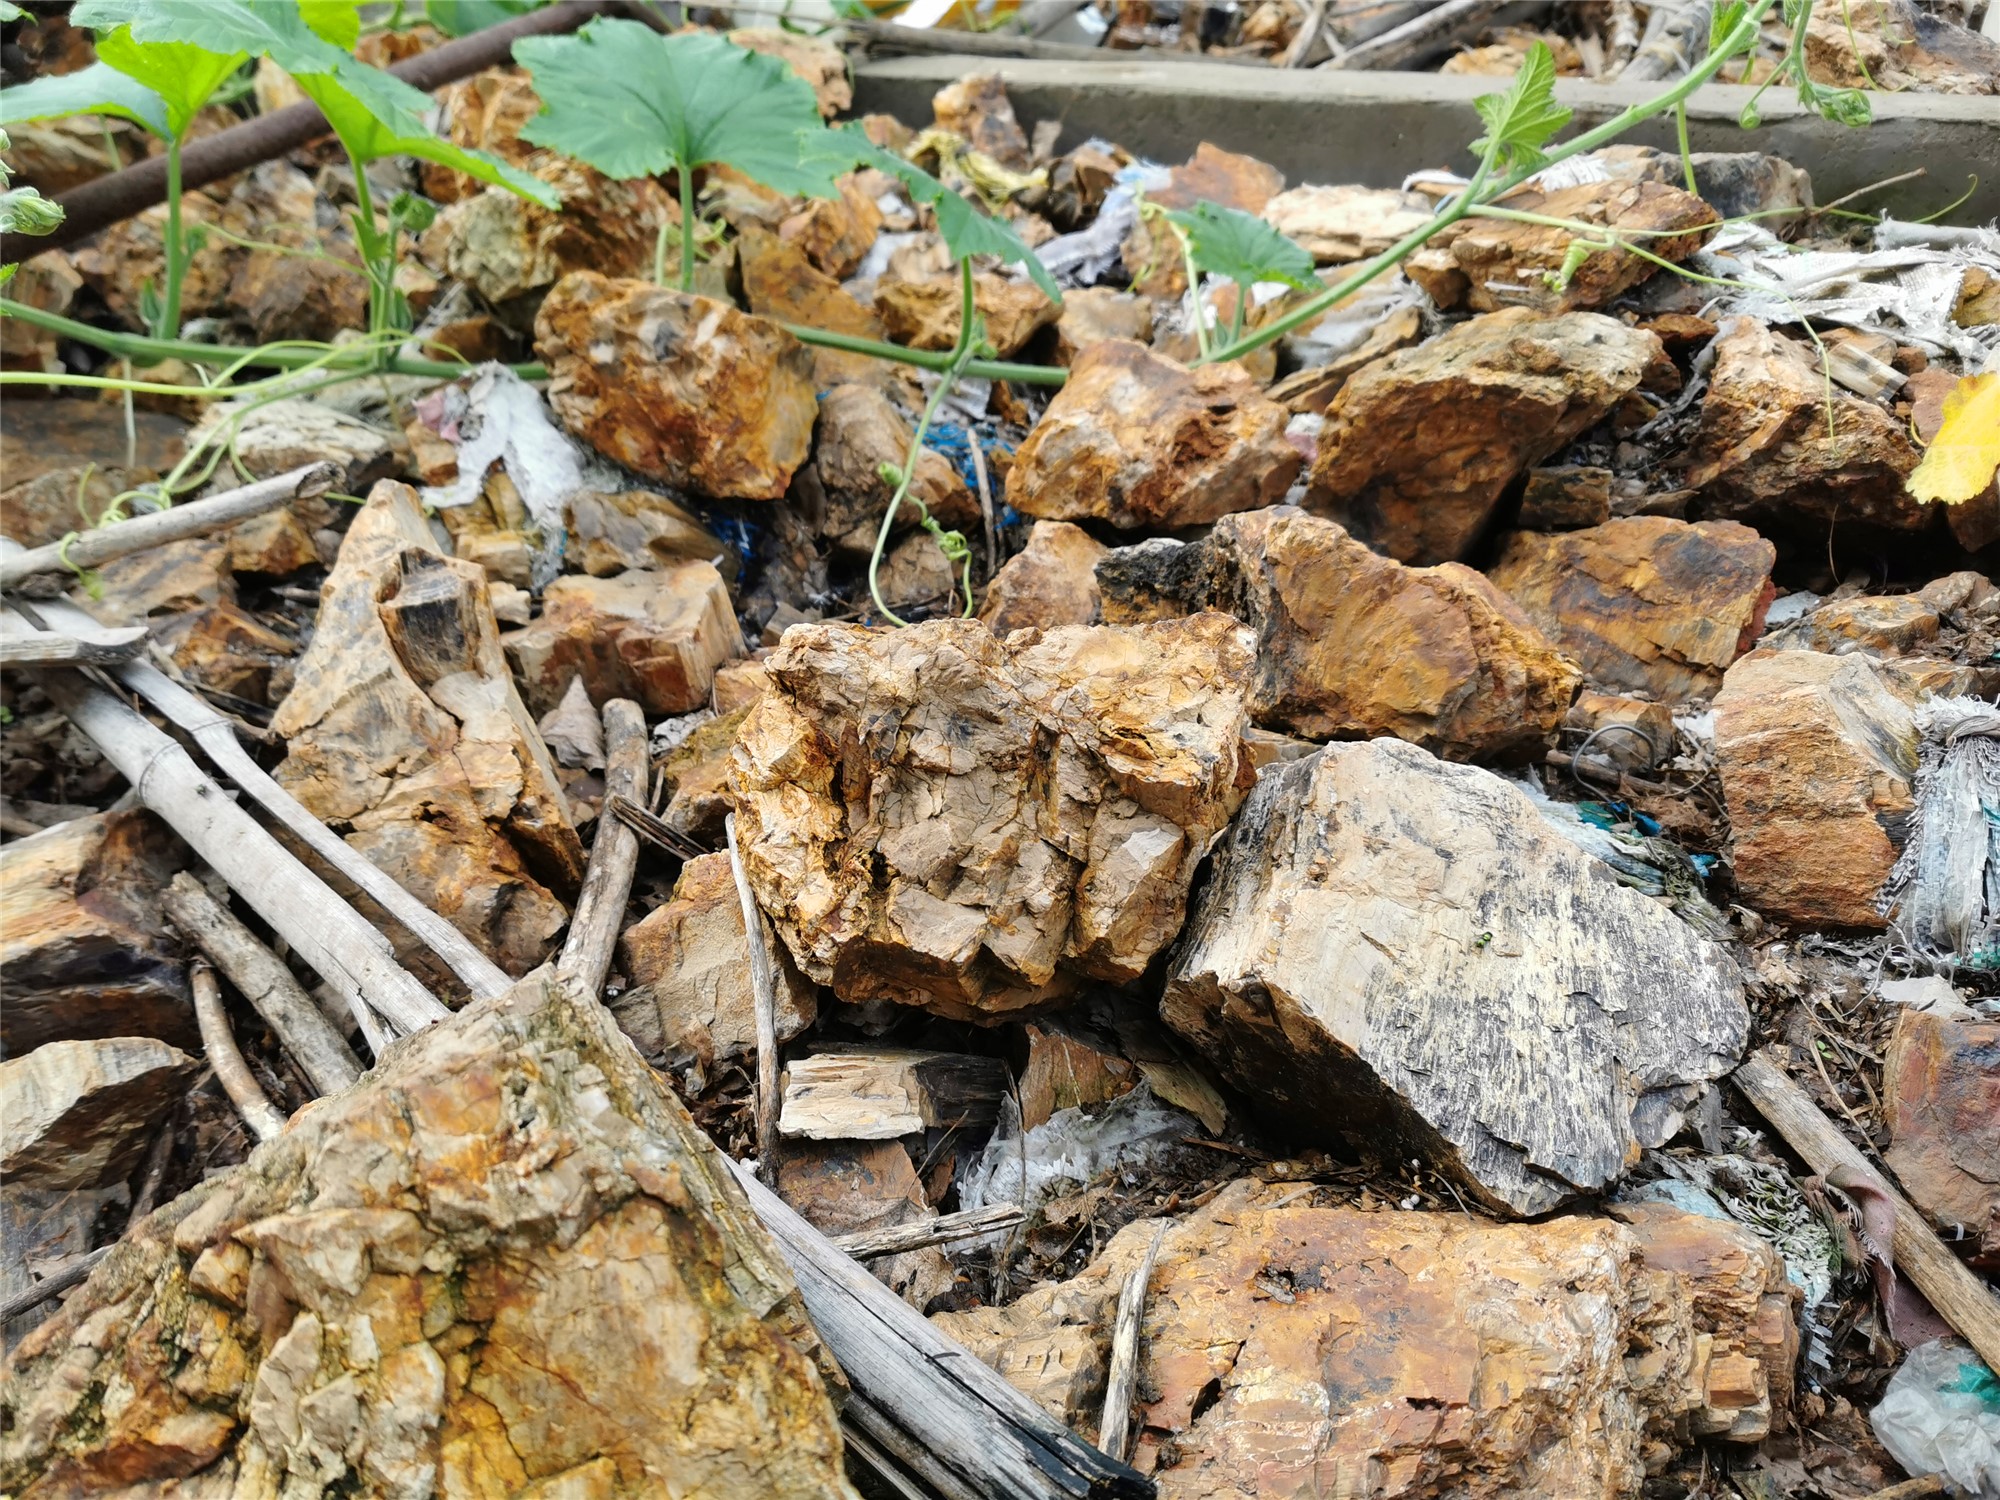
[217, 738]
[909, 1451]
[1421, 37]
[196, 518]
[231, 1071]
[879, 1462]
[44, 648]
[1295, 55]
[1960, 1298]
[1114, 1435]
[764, 992]
[73, 1274]
[868, 1244]
[614, 855]
[307, 1036]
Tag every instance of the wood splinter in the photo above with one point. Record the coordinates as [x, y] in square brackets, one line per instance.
[231, 1071]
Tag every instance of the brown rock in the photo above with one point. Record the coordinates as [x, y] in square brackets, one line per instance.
[1340, 224]
[118, 261]
[1566, 498]
[1887, 625]
[779, 283]
[1628, 732]
[482, 113]
[1894, 45]
[1816, 755]
[835, 233]
[1420, 446]
[1398, 949]
[738, 685]
[656, 636]
[1646, 604]
[1078, 183]
[1313, 389]
[82, 938]
[504, 246]
[495, 531]
[1351, 644]
[844, 1187]
[164, 580]
[1480, 1360]
[78, 1114]
[507, 1262]
[977, 110]
[1487, 264]
[227, 651]
[1941, 1098]
[57, 155]
[49, 506]
[1978, 304]
[405, 733]
[1138, 440]
[690, 1005]
[946, 819]
[1763, 449]
[859, 431]
[915, 573]
[822, 65]
[695, 773]
[1152, 254]
[677, 387]
[924, 314]
[1050, 582]
[1092, 314]
[1065, 1072]
[44, 438]
[609, 533]
[48, 283]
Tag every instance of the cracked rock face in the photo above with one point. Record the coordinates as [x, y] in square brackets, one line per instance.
[941, 818]
[506, 1263]
[1402, 949]
[404, 732]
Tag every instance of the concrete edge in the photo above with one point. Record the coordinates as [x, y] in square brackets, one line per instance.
[1375, 128]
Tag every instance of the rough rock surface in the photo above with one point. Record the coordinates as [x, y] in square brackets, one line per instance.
[859, 431]
[835, 233]
[1816, 754]
[79, 1114]
[690, 1005]
[505, 1263]
[1763, 451]
[609, 533]
[1092, 314]
[822, 65]
[1351, 644]
[1052, 581]
[82, 940]
[1398, 948]
[1138, 440]
[677, 387]
[227, 651]
[1420, 446]
[505, 247]
[1339, 224]
[781, 284]
[405, 733]
[924, 313]
[1941, 1097]
[655, 635]
[1487, 264]
[977, 109]
[842, 1187]
[1295, 1350]
[1637, 733]
[946, 819]
[1647, 603]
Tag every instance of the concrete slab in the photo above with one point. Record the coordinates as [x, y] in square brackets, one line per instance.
[1374, 128]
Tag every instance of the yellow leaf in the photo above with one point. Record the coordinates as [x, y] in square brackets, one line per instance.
[1961, 461]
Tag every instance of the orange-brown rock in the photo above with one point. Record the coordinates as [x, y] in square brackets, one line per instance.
[835, 233]
[1763, 450]
[677, 387]
[1396, 949]
[1138, 440]
[117, 262]
[1628, 732]
[1477, 1360]
[739, 684]
[653, 635]
[1151, 252]
[947, 819]
[1052, 581]
[819, 62]
[609, 532]
[1092, 314]
[482, 113]
[1817, 754]
[504, 246]
[1487, 264]
[49, 506]
[779, 283]
[977, 109]
[924, 313]
[82, 938]
[507, 1262]
[48, 283]
[1646, 604]
[1065, 1072]
[192, 573]
[1420, 446]
[845, 1187]
[57, 155]
[694, 775]
[1941, 1100]
[1886, 624]
[915, 573]
[224, 650]
[1338, 224]
[859, 431]
[77, 1114]
[405, 734]
[690, 1006]
[1351, 644]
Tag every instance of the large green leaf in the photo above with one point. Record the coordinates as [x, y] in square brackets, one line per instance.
[369, 137]
[634, 103]
[463, 17]
[967, 231]
[99, 89]
[182, 74]
[1525, 118]
[1242, 247]
[336, 21]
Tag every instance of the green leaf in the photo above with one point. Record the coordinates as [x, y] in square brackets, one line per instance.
[277, 29]
[1242, 247]
[967, 231]
[99, 89]
[336, 21]
[369, 134]
[1525, 118]
[633, 103]
[25, 211]
[9, 11]
[183, 75]
[463, 17]
[1722, 20]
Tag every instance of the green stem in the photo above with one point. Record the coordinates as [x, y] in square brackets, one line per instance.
[1681, 135]
[380, 277]
[1194, 292]
[176, 250]
[686, 175]
[927, 359]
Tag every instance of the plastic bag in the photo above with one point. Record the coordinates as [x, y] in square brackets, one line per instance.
[1941, 1415]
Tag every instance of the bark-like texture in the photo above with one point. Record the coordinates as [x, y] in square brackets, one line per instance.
[973, 825]
[506, 1263]
[1396, 948]
[1941, 1097]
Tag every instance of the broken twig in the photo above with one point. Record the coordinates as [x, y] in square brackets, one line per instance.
[764, 991]
[1422, 37]
[231, 1071]
[44, 648]
[74, 1274]
[1114, 1435]
[868, 1244]
[607, 882]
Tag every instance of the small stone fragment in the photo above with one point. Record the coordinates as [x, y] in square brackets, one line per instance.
[79, 1114]
[1646, 604]
[1404, 949]
[835, 233]
[779, 283]
[654, 635]
[1887, 625]
[947, 819]
[1629, 732]
[1138, 440]
[859, 431]
[1816, 754]
[504, 246]
[611, 533]
[680, 388]
[1050, 582]
[227, 651]
[1065, 1072]
[1568, 498]
[1339, 224]
[977, 110]
[924, 314]
[1941, 1098]
[842, 1187]
[1092, 314]
[1420, 446]
[169, 579]
[916, 574]
[695, 774]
